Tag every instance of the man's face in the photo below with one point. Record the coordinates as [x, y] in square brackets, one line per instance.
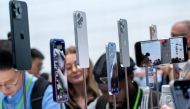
[36, 66]
[120, 98]
[10, 81]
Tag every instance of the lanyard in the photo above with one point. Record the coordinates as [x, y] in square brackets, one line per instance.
[137, 99]
[22, 99]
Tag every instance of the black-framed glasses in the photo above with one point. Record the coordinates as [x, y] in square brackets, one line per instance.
[9, 85]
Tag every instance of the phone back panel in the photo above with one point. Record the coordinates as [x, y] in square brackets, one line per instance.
[20, 35]
[123, 42]
[81, 39]
[112, 68]
[181, 97]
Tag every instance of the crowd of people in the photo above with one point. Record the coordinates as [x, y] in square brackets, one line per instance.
[19, 88]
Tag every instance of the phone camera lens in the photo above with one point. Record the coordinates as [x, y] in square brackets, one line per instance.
[122, 27]
[79, 19]
[17, 10]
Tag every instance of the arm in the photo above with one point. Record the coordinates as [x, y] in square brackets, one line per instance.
[47, 102]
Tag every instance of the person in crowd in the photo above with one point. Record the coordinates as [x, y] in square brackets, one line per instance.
[75, 82]
[182, 28]
[37, 62]
[136, 97]
[19, 88]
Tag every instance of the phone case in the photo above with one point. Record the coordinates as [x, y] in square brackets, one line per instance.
[112, 68]
[123, 42]
[59, 76]
[20, 35]
[81, 39]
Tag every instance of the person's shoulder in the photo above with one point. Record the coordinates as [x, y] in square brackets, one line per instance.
[101, 102]
[92, 104]
[30, 76]
[48, 103]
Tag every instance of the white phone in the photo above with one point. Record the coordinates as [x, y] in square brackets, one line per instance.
[81, 39]
[123, 42]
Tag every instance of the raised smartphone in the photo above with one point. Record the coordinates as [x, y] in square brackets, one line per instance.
[112, 68]
[58, 73]
[20, 35]
[81, 39]
[179, 52]
[156, 52]
[123, 42]
[180, 90]
[148, 53]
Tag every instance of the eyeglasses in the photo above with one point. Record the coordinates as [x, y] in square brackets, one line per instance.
[175, 35]
[9, 85]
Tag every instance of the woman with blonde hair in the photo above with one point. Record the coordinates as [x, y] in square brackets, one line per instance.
[75, 82]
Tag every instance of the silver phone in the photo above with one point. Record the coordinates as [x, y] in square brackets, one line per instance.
[81, 39]
[112, 68]
[153, 32]
[123, 42]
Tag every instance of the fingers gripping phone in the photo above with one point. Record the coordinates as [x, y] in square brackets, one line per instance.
[112, 68]
[59, 76]
[81, 39]
[123, 42]
[20, 35]
[180, 90]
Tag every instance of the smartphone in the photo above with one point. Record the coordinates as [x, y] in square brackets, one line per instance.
[180, 90]
[148, 53]
[81, 39]
[123, 42]
[20, 35]
[156, 52]
[153, 32]
[150, 77]
[179, 52]
[112, 68]
[58, 73]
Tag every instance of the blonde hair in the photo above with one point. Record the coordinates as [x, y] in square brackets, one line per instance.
[92, 88]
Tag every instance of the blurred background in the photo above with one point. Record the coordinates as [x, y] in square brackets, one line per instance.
[54, 19]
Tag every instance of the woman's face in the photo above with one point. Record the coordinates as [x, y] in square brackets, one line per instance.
[74, 74]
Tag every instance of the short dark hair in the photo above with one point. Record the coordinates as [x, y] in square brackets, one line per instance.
[100, 68]
[36, 54]
[6, 60]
